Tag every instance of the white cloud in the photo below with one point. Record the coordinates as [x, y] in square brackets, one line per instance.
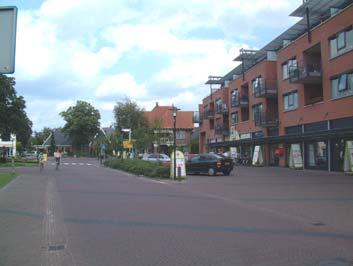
[123, 85]
[80, 42]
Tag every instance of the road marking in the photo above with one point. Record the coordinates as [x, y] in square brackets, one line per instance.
[56, 251]
[73, 163]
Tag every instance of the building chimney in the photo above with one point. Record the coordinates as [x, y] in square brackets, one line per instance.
[156, 104]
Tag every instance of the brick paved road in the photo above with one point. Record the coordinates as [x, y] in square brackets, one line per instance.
[89, 215]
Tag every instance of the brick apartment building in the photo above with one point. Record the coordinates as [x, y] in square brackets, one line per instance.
[161, 119]
[294, 97]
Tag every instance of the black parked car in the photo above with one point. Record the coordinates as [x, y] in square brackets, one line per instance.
[210, 164]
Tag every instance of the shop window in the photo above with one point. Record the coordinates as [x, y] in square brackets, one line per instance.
[290, 101]
[316, 155]
[342, 86]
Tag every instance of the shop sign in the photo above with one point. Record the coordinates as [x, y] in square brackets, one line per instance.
[295, 157]
[180, 165]
[257, 157]
[233, 152]
[245, 136]
[258, 134]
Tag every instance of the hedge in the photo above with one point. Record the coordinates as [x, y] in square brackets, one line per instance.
[139, 167]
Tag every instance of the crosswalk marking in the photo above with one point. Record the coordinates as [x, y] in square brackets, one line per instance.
[76, 164]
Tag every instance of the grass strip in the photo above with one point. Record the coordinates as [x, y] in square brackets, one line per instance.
[5, 178]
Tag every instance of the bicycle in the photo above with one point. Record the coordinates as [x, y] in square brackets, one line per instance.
[57, 163]
[41, 165]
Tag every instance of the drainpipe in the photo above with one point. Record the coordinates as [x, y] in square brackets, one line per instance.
[308, 24]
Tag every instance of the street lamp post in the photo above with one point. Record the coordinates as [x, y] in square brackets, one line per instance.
[174, 110]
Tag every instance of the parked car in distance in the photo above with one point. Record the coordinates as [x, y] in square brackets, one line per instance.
[30, 156]
[157, 157]
[210, 164]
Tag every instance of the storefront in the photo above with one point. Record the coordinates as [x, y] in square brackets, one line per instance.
[338, 154]
[316, 155]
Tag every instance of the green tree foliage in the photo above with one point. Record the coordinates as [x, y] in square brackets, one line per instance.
[13, 118]
[129, 115]
[82, 123]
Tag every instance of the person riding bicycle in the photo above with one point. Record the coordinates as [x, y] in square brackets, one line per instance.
[40, 158]
[57, 156]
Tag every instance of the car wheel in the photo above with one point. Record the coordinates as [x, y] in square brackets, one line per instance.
[211, 171]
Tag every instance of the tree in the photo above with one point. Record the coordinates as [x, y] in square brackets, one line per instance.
[13, 118]
[82, 123]
[129, 115]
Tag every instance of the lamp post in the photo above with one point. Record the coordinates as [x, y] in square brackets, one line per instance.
[174, 110]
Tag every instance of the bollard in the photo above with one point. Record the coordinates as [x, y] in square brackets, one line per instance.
[179, 173]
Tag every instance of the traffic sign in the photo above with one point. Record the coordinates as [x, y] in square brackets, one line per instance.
[8, 21]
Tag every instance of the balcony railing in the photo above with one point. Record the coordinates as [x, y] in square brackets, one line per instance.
[222, 130]
[209, 114]
[243, 101]
[222, 109]
[266, 88]
[263, 119]
[307, 74]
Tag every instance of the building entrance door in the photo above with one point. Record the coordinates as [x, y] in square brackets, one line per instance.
[337, 155]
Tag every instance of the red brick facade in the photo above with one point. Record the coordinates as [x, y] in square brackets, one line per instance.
[303, 95]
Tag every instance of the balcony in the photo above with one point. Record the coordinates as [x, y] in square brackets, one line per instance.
[209, 114]
[307, 74]
[264, 119]
[222, 130]
[241, 102]
[222, 109]
[266, 88]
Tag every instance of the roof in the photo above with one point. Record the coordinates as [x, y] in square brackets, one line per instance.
[60, 138]
[318, 7]
[108, 131]
[184, 119]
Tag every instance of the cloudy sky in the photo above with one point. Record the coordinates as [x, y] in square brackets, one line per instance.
[103, 51]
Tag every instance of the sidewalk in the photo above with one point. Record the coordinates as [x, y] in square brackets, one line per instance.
[21, 207]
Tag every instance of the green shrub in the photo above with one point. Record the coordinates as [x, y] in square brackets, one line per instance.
[139, 167]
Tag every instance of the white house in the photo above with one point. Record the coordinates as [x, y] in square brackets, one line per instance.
[9, 146]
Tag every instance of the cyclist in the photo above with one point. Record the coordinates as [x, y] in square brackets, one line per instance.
[57, 156]
[41, 160]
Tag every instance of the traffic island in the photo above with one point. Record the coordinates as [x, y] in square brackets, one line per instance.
[139, 167]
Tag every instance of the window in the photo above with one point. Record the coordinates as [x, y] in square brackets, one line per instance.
[235, 97]
[289, 66]
[342, 86]
[256, 84]
[235, 118]
[180, 134]
[290, 101]
[341, 42]
[257, 110]
[219, 105]
[285, 71]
